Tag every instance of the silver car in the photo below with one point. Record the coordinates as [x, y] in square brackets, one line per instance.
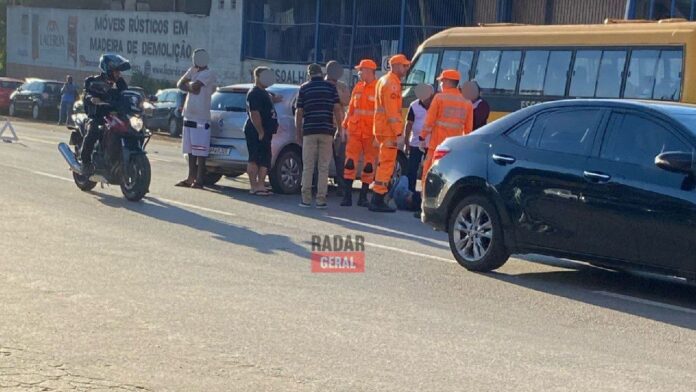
[228, 149]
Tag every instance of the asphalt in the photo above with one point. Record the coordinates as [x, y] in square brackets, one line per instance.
[212, 290]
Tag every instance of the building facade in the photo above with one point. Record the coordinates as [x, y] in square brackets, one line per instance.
[159, 35]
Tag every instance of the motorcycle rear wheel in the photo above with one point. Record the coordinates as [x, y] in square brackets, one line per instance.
[135, 183]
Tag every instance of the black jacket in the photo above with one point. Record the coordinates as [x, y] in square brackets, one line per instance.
[99, 86]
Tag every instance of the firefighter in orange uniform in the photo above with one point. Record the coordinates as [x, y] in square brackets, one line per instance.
[359, 123]
[387, 128]
[449, 115]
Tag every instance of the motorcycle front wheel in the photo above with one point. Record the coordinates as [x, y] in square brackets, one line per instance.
[135, 183]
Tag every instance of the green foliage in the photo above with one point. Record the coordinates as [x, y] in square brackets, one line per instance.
[149, 84]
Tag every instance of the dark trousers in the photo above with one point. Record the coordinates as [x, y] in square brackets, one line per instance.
[415, 156]
[93, 134]
[339, 152]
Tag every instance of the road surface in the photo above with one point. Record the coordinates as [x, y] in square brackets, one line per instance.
[211, 290]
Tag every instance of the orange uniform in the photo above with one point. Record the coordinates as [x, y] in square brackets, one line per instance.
[450, 114]
[359, 122]
[388, 126]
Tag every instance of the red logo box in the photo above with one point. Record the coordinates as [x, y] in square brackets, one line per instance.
[338, 262]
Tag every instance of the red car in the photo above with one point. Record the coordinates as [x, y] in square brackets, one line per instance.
[7, 87]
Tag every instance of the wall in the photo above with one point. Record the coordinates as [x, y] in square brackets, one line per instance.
[46, 42]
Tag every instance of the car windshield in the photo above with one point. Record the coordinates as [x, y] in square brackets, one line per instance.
[229, 101]
[685, 115]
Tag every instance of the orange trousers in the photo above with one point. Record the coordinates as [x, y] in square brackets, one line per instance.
[360, 143]
[387, 161]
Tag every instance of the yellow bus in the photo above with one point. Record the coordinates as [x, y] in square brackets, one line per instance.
[520, 65]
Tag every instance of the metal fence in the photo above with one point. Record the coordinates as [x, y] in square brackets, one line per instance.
[303, 31]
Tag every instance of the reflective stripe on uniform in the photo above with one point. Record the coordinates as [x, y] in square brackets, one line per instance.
[390, 143]
[394, 120]
[363, 112]
[446, 124]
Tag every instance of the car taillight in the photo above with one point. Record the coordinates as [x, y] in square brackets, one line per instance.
[440, 153]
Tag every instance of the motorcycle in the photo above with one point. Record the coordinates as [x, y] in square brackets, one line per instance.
[119, 155]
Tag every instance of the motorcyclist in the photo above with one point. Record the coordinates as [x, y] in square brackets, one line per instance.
[100, 91]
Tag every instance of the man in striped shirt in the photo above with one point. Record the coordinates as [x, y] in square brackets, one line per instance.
[318, 110]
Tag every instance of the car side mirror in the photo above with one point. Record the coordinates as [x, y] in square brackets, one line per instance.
[676, 162]
[152, 98]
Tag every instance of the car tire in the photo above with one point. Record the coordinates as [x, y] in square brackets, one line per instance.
[211, 179]
[36, 112]
[174, 128]
[12, 110]
[476, 235]
[286, 175]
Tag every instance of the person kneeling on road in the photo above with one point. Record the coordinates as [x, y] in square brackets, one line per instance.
[199, 82]
[402, 198]
[388, 126]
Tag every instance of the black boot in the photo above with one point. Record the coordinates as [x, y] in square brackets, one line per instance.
[362, 200]
[347, 193]
[378, 205]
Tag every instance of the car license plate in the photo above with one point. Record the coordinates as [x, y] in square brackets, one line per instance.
[220, 151]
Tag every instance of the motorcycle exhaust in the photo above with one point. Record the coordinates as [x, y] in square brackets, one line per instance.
[70, 158]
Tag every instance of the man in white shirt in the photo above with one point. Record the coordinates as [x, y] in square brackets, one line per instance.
[199, 82]
[414, 125]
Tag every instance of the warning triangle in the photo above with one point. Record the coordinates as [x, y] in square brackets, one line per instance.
[8, 139]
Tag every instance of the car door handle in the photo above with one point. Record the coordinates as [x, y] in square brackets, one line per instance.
[596, 176]
[503, 159]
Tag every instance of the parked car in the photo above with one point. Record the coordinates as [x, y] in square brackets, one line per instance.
[228, 149]
[39, 97]
[164, 111]
[612, 183]
[7, 87]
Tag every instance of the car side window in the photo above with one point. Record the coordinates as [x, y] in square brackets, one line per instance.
[567, 131]
[637, 140]
[520, 132]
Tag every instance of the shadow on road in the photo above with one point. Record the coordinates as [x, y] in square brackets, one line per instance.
[263, 243]
[401, 224]
[635, 294]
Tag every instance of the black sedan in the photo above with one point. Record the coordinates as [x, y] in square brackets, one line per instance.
[612, 183]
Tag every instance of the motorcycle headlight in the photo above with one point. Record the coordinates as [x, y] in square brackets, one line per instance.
[137, 123]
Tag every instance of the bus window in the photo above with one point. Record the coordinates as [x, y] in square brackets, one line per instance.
[557, 74]
[641, 74]
[668, 76]
[460, 60]
[611, 69]
[585, 73]
[423, 71]
[534, 72]
[487, 69]
[507, 72]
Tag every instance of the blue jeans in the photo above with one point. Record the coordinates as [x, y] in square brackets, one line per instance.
[415, 156]
[65, 112]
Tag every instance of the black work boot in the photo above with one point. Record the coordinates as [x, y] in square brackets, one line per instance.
[362, 200]
[378, 205]
[347, 193]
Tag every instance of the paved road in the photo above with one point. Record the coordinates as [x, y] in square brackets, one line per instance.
[212, 291]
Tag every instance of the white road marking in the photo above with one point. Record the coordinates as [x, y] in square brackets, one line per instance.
[31, 139]
[408, 252]
[158, 159]
[225, 213]
[53, 176]
[195, 207]
[647, 302]
[380, 228]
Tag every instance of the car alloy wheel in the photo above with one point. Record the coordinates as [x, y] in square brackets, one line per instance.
[290, 172]
[11, 111]
[35, 112]
[473, 233]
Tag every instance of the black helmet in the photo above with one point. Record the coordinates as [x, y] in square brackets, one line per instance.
[110, 62]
